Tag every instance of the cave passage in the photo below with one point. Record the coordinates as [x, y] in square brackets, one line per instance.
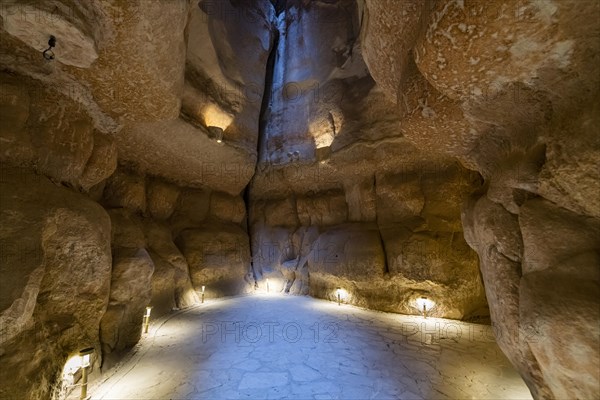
[274, 346]
[231, 170]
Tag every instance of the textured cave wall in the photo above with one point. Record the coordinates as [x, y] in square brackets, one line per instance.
[514, 86]
[365, 144]
[114, 195]
[168, 242]
[56, 269]
[340, 197]
[391, 238]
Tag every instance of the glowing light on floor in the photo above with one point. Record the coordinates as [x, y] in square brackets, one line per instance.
[424, 305]
[341, 295]
[147, 319]
[297, 347]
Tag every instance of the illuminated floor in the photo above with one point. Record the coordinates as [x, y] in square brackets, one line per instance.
[276, 347]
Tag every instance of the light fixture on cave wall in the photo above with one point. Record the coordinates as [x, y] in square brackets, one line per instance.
[216, 121]
[215, 133]
[48, 54]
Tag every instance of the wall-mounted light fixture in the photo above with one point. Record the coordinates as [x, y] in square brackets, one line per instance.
[424, 305]
[85, 356]
[216, 133]
[147, 319]
[203, 288]
[48, 54]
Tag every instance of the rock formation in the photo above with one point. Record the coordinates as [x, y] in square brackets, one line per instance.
[393, 149]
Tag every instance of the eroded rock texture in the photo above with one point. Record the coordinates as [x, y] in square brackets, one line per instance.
[56, 269]
[394, 149]
[341, 198]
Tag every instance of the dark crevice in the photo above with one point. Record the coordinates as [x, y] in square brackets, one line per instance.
[265, 108]
[264, 117]
[386, 265]
[246, 196]
[279, 6]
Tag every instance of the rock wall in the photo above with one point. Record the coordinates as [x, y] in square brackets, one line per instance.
[56, 271]
[167, 243]
[394, 149]
[340, 197]
[387, 241]
[112, 186]
[510, 89]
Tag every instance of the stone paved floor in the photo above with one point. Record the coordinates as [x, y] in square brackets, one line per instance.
[283, 347]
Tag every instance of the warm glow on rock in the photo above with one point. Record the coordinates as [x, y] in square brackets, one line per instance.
[424, 303]
[71, 369]
[216, 116]
[325, 128]
[341, 293]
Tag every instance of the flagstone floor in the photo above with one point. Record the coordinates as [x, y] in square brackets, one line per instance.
[290, 347]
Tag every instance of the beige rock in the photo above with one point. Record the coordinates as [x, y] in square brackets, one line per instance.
[164, 252]
[75, 45]
[361, 201]
[126, 190]
[439, 265]
[348, 165]
[224, 77]
[14, 112]
[490, 229]
[163, 286]
[102, 162]
[570, 177]
[141, 59]
[553, 235]
[353, 251]
[444, 188]
[281, 254]
[55, 270]
[389, 32]
[271, 245]
[130, 293]
[227, 208]
[183, 153]
[561, 300]
[161, 198]
[56, 141]
[322, 209]
[399, 197]
[514, 179]
[432, 121]
[127, 229]
[218, 256]
[559, 290]
[438, 257]
[191, 210]
[506, 42]
[280, 212]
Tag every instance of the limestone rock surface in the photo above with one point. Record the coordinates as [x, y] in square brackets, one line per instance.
[218, 256]
[52, 304]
